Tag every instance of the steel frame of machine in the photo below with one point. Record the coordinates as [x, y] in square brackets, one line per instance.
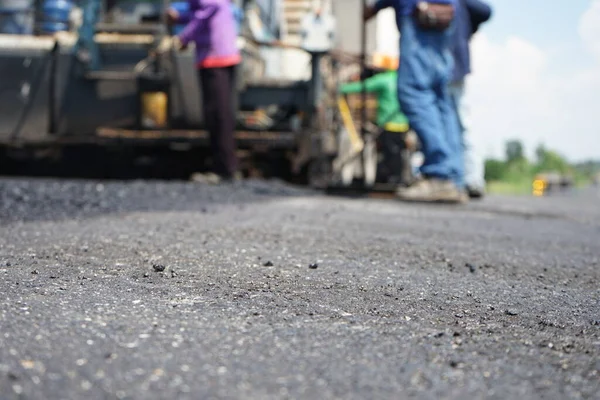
[86, 76]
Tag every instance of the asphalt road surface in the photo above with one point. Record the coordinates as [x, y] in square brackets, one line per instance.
[154, 290]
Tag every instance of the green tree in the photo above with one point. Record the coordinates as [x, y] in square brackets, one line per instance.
[517, 172]
[540, 153]
[514, 151]
[551, 161]
[494, 170]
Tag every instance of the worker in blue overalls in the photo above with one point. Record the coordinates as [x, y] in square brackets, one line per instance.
[425, 70]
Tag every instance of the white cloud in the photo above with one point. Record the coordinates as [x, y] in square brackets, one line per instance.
[514, 93]
[589, 28]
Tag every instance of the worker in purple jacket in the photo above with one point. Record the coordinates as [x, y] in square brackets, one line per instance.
[212, 27]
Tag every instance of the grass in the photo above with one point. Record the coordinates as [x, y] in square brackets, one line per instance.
[582, 181]
[524, 187]
[521, 188]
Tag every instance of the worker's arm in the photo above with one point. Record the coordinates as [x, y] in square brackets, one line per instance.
[372, 10]
[479, 12]
[379, 5]
[198, 19]
[372, 84]
[183, 18]
[383, 4]
[175, 17]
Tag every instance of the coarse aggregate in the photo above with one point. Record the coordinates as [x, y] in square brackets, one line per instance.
[261, 290]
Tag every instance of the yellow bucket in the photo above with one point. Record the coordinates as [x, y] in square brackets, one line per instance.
[154, 110]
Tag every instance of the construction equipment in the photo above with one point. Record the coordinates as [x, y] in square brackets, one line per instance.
[104, 82]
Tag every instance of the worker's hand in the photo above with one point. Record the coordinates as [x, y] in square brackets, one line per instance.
[172, 16]
[163, 47]
[178, 45]
[369, 12]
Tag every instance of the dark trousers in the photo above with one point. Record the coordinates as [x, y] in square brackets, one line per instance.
[395, 163]
[219, 116]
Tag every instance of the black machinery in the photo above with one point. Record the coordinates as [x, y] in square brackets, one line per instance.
[106, 83]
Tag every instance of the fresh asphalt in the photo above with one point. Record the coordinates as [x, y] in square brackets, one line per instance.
[156, 290]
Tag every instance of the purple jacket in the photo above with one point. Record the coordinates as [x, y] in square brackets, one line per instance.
[212, 26]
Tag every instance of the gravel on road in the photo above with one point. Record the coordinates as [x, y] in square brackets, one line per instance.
[154, 290]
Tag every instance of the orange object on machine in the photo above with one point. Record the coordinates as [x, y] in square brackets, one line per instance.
[386, 61]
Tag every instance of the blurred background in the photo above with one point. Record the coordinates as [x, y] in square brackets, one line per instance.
[534, 91]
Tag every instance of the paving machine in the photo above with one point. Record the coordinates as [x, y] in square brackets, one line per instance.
[112, 83]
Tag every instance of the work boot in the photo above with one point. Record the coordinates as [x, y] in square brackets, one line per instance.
[475, 192]
[432, 190]
[234, 178]
[209, 178]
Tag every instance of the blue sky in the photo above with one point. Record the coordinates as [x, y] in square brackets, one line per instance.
[537, 77]
[551, 27]
[557, 23]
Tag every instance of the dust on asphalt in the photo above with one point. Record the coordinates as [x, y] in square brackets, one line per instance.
[146, 290]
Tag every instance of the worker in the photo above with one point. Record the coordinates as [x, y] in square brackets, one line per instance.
[423, 76]
[211, 25]
[396, 140]
[317, 29]
[470, 15]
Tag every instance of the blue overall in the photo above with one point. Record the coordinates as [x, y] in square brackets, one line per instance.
[426, 66]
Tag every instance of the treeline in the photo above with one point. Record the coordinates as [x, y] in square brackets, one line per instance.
[516, 168]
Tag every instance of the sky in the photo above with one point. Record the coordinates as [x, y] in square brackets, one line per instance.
[536, 77]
